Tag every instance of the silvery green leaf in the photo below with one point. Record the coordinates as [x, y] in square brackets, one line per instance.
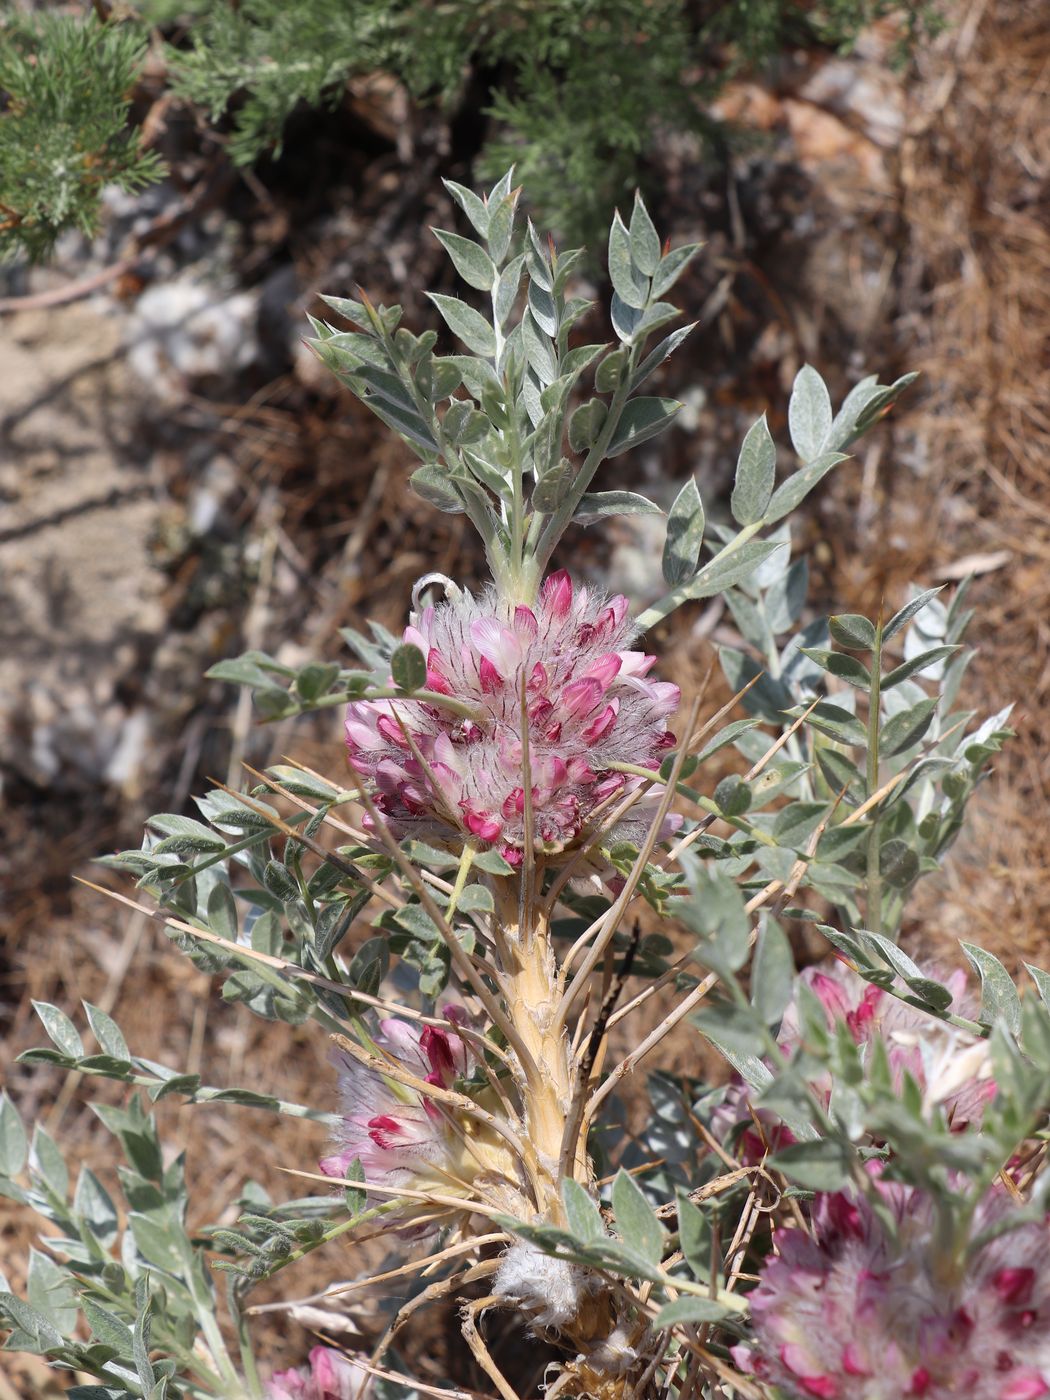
[685, 534]
[106, 1031]
[352, 310]
[1042, 983]
[506, 293]
[13, 1141]
[447, 373]
[716, 576]
[644, 240]
[794, 490]
[608, 374]
[532, 397]
[371, 383]
[786, 597]
[544, 312]
[579, 359]
[809, 414]
[690, 1310]
[537, 259]
[58, 1025]
[820, 1165]
[628, 282]
[876, 407]
[30, 1330]
[734, 1029]
[408, 666]
[837, 663]
[472, 206]
[642, 1232]
[596, 504]
[46, 1160]
[772, 973]
[657, 314]
[466, 324]
[538, 350]
[640, 420]
[917, 664]
[999, 999]
[906, 728]
[49, 1289]
[844, 428]
[586, 424]
[852, 630]
[725, 737]
[838, 841]
[795, 823]
[910, 609]
[501, 226]
[752, 625]
[625, 319]
[469, 259]
[694, 1235]
[486, 472]
[408, 425]
[672, 265]
[582, 1213]
[433, 485]
[656, 357]
[836, 722]
[93, 1203]
[106, 1326]
[755, 471]
[554, 487]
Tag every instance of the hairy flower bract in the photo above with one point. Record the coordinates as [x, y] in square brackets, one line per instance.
[404, 1137]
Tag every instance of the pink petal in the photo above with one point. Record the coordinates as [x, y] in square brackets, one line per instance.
[580, 698]
[525, 623]
[636, 663]
[604, 669]
[481, 824]
[556, 595]
[601, 726]
[491, 680]
[497, 642]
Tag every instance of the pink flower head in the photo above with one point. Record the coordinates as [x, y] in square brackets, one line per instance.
[329, 1376]
[951, 1067]
[561, 676]
[853, 1313]
[402, 1137]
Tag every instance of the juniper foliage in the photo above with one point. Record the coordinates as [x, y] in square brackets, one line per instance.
[64, 131]
[568, 86]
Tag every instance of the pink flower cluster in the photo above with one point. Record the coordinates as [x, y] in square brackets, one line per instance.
[329, 1376]
[397, 1133]
[952, 1068]
[587, 704]
[857, 1312]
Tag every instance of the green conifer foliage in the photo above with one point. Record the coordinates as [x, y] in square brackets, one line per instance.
[64, 132]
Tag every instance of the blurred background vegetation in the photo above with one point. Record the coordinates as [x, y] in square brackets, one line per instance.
[179, 481]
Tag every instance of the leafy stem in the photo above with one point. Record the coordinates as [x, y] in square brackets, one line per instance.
[874, 876]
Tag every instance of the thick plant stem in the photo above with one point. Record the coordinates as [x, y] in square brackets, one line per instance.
[548, 1081]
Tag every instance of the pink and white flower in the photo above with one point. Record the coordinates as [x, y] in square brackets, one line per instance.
[856, 1312]
[329, 1376]
[561, 678]
[951, 1067]
[401, 1136]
